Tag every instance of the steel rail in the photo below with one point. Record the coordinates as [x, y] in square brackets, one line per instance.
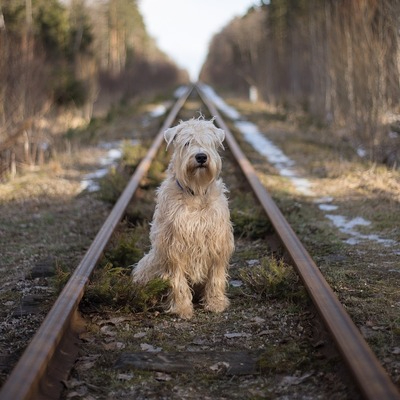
[24, 381]
[373, 381]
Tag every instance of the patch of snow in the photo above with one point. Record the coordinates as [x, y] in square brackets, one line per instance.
[341, 222]
[90, 181]
[265, 147]
[326, 199]
[180, 91]
[158, 111]
[229, 111]
[274, 155]
[100, 173]
[347, 227]
[361, 152]
[302, 185]
[327, 207]
[112, 156]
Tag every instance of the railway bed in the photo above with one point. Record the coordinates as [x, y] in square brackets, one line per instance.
[264, 346]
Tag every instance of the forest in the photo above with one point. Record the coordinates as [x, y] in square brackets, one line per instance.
[75, 55]
[336, 60]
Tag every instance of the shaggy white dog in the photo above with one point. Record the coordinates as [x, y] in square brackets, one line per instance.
[191, 233]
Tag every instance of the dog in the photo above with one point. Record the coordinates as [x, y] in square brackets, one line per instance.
[191, 233]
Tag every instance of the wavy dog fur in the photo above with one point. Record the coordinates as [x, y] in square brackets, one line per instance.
[191, 233]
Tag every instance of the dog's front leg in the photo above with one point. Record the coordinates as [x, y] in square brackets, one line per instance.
[214, 298]
[180, 297]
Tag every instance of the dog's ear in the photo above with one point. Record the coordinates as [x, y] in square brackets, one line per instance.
[220, 135]
[169, 135]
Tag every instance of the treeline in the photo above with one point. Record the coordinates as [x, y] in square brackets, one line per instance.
[338, 60]
[57, 54]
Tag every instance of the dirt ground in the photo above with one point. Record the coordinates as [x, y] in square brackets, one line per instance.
[46, 219]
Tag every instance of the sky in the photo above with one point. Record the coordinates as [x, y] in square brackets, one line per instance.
[184, 28]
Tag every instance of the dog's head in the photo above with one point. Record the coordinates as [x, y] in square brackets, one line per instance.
[195, 161]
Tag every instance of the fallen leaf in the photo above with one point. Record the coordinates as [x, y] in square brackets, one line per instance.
[162, 377]
[87, 362]
[72, 383]
[295, 380]
[200, 342]
[113, 346]
[150, 348]
[86, 337]
[84, 366]
[139, 335]
[258, 320]
[236, 335]
[395, 350]
[125, 377]
[266, 332]
[107, 330]
[221, 366]
[113, 321]
[236, 283]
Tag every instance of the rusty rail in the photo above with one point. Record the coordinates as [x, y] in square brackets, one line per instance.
[370, 376]
[24, 381]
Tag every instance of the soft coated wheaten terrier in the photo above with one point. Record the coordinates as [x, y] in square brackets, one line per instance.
[191, 233]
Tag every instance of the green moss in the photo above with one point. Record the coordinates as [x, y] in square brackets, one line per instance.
[132, 154]
[271, 279]
[112, 185]
[124, 250]
[112, 288]
[61, 277]
[282, 358]
[249, 220]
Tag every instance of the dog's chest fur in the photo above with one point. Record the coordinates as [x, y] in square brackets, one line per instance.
[200, 226]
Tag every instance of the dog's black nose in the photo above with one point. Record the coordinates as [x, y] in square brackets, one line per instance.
[201, 158]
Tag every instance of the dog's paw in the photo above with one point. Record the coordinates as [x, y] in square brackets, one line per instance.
[187, 314]
[182, 312]
[216, 304]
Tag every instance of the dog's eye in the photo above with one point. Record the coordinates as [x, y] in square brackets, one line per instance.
[187, 144]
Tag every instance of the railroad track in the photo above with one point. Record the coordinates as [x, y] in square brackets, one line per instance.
[53, 343]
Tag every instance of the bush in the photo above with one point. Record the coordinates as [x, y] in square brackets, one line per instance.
[70, 91]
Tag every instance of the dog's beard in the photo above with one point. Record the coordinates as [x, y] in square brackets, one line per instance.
[200, 175]
[197, 178]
